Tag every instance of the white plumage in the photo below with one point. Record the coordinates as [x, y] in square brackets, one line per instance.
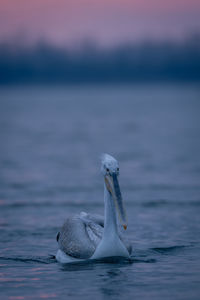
[87, 236]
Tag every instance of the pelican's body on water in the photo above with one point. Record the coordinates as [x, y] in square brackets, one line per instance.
[88, 236]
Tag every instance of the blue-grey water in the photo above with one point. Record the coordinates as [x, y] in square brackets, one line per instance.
[51, 139]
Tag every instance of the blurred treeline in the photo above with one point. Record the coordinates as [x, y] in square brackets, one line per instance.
[146, 61]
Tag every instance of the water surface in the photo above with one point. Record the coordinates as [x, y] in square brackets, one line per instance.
[51, 139]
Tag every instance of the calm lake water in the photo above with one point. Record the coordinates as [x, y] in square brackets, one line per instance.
[51, 139]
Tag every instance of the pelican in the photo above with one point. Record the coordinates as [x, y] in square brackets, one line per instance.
[87, 236]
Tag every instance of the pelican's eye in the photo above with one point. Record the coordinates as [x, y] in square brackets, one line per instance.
[107, 170]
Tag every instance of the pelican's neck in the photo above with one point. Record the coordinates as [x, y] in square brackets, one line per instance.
[110, 223]
[110, 244]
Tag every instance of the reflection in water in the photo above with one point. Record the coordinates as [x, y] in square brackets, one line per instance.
[113, 282]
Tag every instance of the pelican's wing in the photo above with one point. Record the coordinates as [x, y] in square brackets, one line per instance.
[80, 235]
[94, 226]
[92, 217]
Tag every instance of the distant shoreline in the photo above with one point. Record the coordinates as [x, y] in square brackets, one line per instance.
[130, 63]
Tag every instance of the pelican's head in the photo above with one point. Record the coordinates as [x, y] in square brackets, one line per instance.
[110, 171]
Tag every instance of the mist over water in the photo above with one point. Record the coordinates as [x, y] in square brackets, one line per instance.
[51, 141]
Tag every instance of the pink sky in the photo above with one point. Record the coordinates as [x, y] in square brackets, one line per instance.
[107, 22]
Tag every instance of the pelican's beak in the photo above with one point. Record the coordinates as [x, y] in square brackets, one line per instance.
[113, 187]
